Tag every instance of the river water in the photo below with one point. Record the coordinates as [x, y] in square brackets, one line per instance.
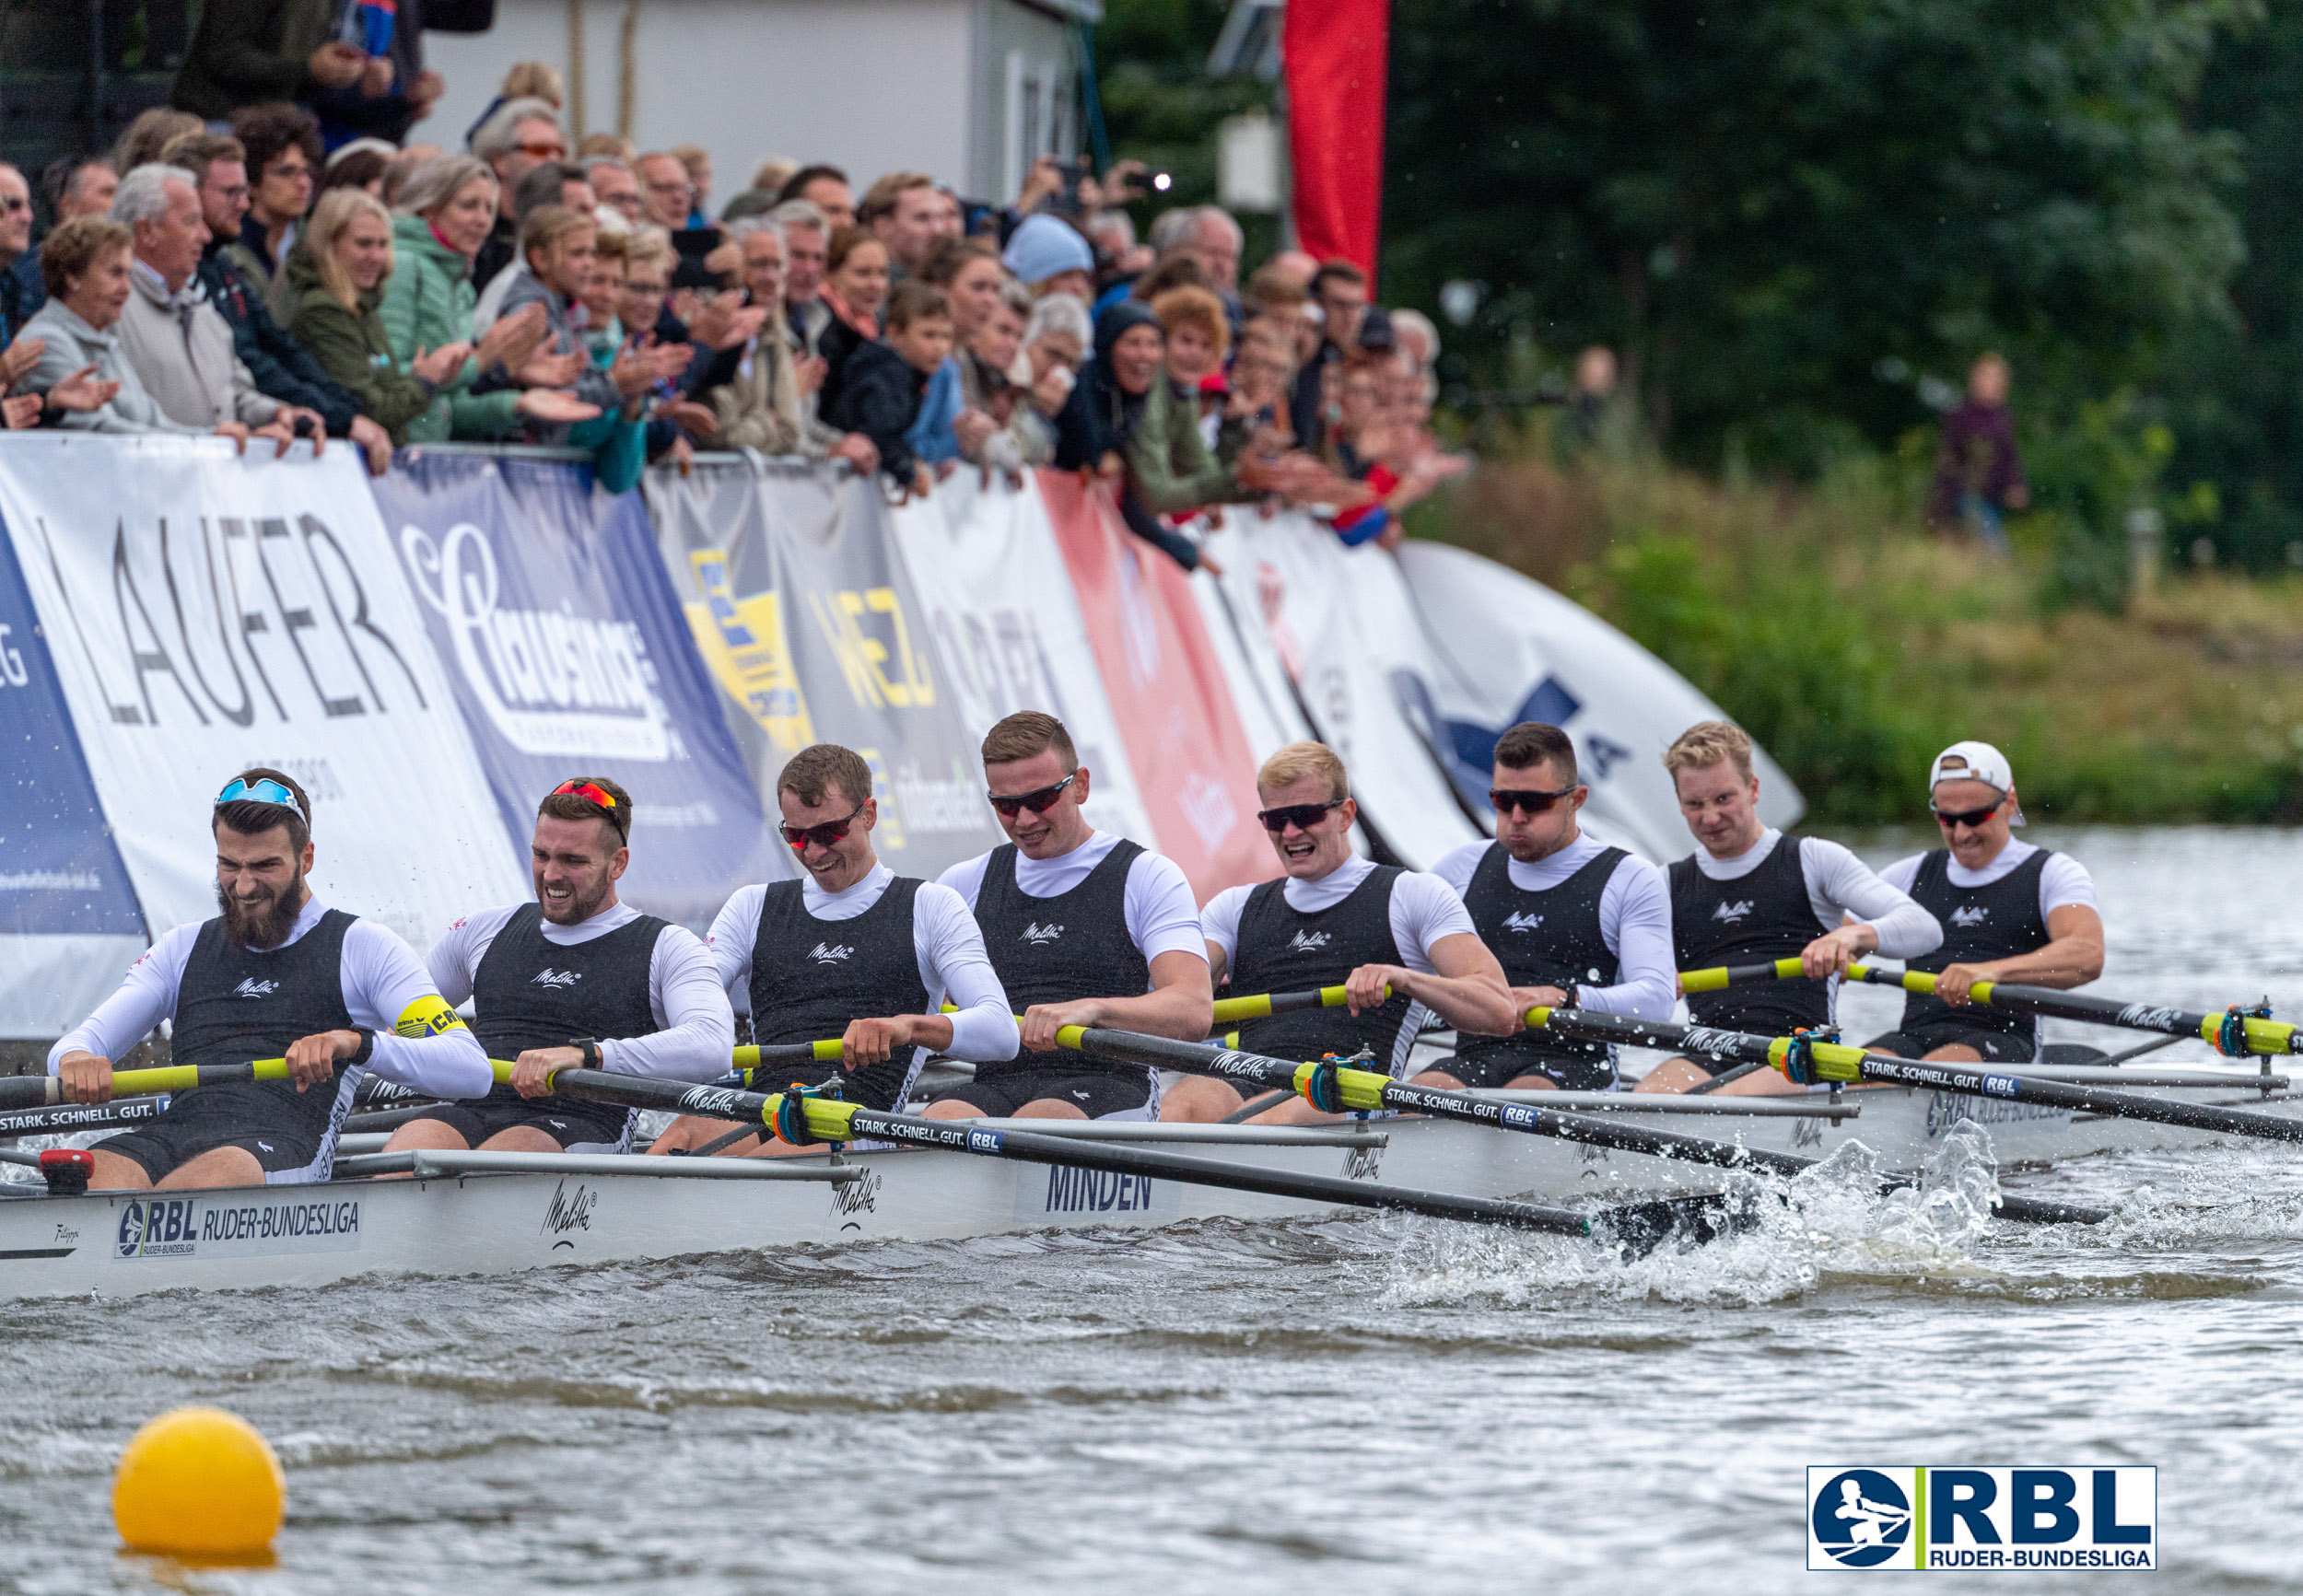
[1369, 1403]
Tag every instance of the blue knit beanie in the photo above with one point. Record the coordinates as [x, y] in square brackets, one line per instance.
[1043, 246]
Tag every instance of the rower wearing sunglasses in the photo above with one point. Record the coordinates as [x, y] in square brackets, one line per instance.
[576, 978]
[853, 950]
[1336, 919]
[1083, 927]
[277, 974]
[1573, 922]
[2010, 912]
[1750, 895]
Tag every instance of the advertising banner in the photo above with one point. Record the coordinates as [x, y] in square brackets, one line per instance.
[1341, 621]
[68, 918]
[1193, 761]
[1009, 633]
[568, 655]
[809, 623]
[207, 612]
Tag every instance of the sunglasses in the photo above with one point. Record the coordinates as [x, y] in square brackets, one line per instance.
[1302, 817]
[1947, 819]
[544, 152]
[264, 790]
[1506, 800]
[822, 836]
[592, 794]
[1038, 802]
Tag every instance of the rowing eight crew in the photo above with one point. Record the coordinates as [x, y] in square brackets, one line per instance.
[1081, 926]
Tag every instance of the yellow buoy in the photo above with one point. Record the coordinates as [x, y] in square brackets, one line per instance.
[199, 1481]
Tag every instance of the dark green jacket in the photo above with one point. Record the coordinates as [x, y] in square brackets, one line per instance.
[248, 51]
[1173, 471]
[354, 350]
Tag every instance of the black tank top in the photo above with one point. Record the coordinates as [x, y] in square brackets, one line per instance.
[530, 993]
[1762, 915]
[1979, 923]
[809, 977]
[1057, 949]
[1282, 948]
[1544, 939]
[235, 1004]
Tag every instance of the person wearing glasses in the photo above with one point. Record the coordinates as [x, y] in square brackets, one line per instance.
[277, 974]
[1083, 927]
[576, 978]
[851, 950]
[1397, 941]
[1574, 923]
[1748, 895]
[2010, 912]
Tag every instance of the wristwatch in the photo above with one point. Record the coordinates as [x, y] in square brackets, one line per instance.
[590, 1049]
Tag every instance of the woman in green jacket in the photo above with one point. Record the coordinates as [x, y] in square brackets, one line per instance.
[336, 275]
[446, 209]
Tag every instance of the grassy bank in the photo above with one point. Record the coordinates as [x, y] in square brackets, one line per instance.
[1854, 644]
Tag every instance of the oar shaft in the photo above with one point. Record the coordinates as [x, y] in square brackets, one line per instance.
[34, 1090]
[1263, 1005]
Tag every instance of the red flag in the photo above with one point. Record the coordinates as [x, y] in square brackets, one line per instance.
[1336, 53]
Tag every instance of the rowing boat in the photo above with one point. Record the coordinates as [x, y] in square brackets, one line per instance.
[488, 1214]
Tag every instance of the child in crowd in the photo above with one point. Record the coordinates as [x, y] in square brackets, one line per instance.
[887, 379]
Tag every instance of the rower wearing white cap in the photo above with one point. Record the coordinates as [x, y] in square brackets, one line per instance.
[2010, 912]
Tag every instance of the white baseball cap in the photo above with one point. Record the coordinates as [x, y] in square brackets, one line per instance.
[1974, 762]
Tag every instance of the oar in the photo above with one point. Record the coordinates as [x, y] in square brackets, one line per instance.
[2234, 1031]
[1338, 1089]
[56, 1118]
[34, 1090]
[1264, 1004]
[1809, 1062]
[821, 1119]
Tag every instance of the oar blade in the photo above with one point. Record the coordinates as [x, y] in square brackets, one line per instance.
[1640, 1227]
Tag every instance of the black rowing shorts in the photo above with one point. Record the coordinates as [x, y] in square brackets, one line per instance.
[1995, 1046]
[1098, 1094]
[1500, 1069]
[591, 1127]
[234, 1114]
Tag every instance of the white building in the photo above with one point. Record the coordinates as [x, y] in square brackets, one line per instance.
[967, 90]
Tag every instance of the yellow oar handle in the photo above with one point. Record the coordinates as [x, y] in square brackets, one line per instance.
[1257, 1006]
[184, 1077]
[1719, 977]
[826, 1051]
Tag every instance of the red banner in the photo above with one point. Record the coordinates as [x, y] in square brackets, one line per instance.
[1337, 52]
[1192, 759]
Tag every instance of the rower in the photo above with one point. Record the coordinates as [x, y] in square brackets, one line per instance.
[576, 978]
[2010, 912]
[277, 973]
[1749, 894]
[1335, 919]
[854, 951]
[1573, 922]
[1083, 927]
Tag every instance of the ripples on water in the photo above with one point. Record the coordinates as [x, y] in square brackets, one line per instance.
[1369, 1403]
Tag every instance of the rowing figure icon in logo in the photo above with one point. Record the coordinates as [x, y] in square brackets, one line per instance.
[131, 1228]
[1861, 1518]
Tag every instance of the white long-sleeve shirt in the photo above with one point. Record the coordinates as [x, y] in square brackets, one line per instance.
[946, 941]
[1839, 884]
[696, 1031]
[382, 980]
[1159, 910]
[1634, 921]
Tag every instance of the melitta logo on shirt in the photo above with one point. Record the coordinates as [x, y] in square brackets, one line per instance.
[1307, 941]
[1520, 920]
[1970, 915]
[824, 954]
[1039, 935]
[252, 987]
[1728, 914]
[547, 977]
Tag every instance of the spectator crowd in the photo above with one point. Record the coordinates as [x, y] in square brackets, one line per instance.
[269, 260]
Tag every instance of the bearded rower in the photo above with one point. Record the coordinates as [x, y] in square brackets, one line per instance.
[576, 978]
[1573, 922]
[1750, 895]
[854, 950]
[2010, 912]
[1084, 929]
[277, 974]
[1335, 919]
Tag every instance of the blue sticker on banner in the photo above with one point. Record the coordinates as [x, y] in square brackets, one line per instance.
[570, 656]
[60, 874]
